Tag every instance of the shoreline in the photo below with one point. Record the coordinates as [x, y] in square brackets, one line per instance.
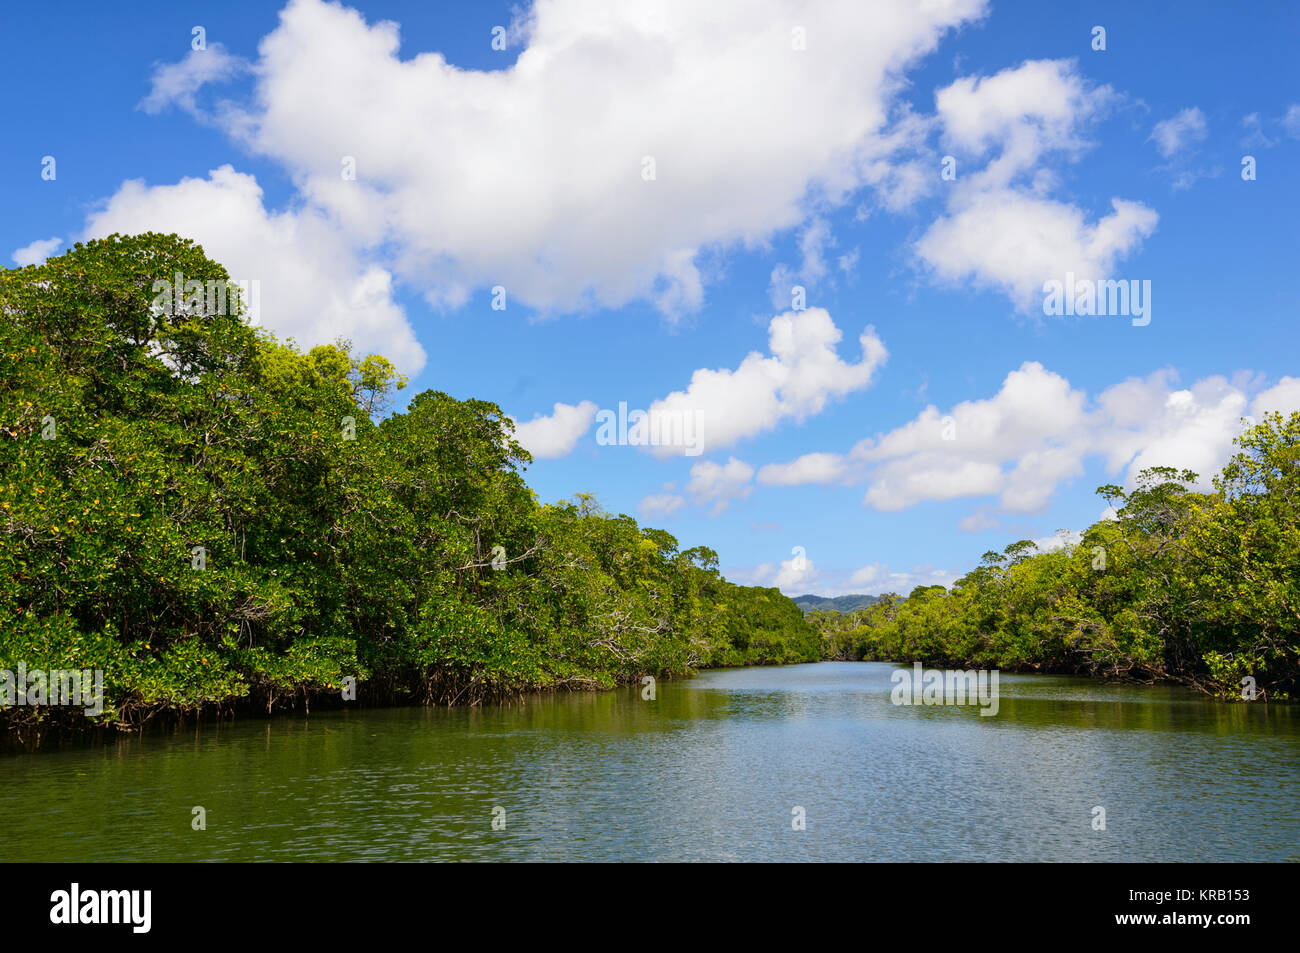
[62, 735]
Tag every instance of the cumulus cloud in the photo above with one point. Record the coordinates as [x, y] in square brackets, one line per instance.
[712, 485]
[1175, 134]
[311, 284]
[620, 145]
[36, 252]
[1003, 230]
[1023, 112]
[1014, 242]
[1037, 432]
[1152, 422]
[801, 373]
[1282, 398]
[556, 434]
[793, 576]
[1032, 420]
[796, 379]
[535, 176]
[720, 483]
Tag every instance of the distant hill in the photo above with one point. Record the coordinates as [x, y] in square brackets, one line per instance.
[838, 604]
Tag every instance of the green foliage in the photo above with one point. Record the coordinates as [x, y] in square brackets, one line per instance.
[333, 541]
[1198, 588]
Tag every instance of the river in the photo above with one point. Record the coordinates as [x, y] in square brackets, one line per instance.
[713, 768]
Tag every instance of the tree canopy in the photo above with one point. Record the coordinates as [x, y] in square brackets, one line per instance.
[215, 518]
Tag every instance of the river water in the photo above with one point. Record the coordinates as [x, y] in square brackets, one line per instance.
[724, 766]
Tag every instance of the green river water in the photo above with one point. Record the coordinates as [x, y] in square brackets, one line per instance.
[713, 768]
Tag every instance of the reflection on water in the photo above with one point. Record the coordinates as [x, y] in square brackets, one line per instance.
[710, 770]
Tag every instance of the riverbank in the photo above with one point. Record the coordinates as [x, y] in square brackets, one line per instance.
[69, 729]
[31, 729]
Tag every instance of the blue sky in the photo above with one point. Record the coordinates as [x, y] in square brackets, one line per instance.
[793, 145]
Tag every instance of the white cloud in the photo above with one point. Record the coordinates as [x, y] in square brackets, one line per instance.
[1031, 421]
[793, 576]
[1175, 139]
[813, 241]
[531, 176]
[37, 251]
[800, 375]
[1002, 230]
[175, 84]
[1256, 128]
[661, 506]
[312, 285]
[1190, 428]
[797, 378]
[810, 468]
[556, 434]
[1024, 111]
[930, 476]
[883, 579]
[799, 575]
[1037, 432]
[1013, 241]
[868, 575]
[1282, 398]
[1173, 135]
[719, 483]
[1291, 121]
[711, 484]
[1254, 135]
[878, 578]
[794, 573]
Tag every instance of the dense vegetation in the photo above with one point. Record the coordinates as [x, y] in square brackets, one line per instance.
[216, 519]
[1202, 588]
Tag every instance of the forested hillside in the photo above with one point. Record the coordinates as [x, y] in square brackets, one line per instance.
[214, 518]
[810, 603]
